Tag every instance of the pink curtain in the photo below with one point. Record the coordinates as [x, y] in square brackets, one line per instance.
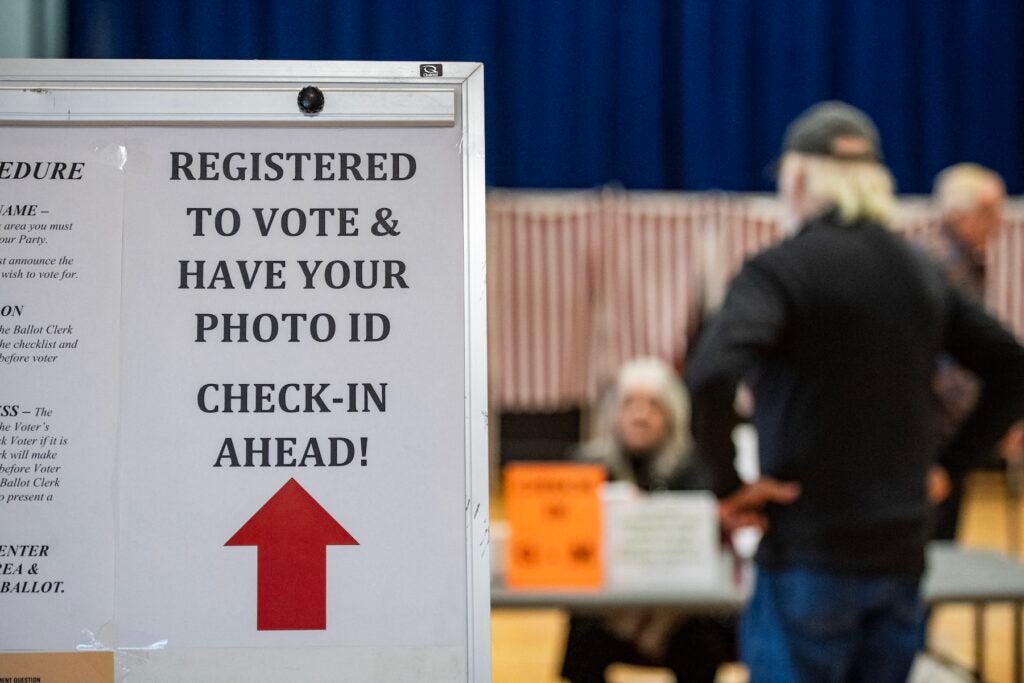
[579, 282]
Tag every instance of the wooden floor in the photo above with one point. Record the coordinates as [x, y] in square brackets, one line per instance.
[527, 645]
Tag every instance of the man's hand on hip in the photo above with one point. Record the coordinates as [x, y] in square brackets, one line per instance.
[745, 507]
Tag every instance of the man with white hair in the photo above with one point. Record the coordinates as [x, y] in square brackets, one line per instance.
[837, 330]
[970, 199]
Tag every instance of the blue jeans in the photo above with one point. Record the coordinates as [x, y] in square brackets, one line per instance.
[817, 627]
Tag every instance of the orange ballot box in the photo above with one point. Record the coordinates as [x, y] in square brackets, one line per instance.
[554, 522]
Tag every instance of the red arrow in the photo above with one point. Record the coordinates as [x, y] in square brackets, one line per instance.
[291, 532]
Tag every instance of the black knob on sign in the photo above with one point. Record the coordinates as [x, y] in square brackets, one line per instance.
[311, 100]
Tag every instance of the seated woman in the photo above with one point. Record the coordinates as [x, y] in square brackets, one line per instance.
[643, 438]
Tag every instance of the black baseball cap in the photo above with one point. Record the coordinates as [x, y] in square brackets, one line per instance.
[834, 129]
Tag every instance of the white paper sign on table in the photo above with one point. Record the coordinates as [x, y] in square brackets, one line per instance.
[662, 541]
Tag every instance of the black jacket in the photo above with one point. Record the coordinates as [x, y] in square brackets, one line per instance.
[838, 330]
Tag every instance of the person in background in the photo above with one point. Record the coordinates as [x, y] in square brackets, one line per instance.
[838, 330]
[970, 200]
[643, 438]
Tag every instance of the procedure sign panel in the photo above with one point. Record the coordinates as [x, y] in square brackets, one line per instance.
[60, 281]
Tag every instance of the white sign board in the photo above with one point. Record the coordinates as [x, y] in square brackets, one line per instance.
[664, 541]
[266, 409]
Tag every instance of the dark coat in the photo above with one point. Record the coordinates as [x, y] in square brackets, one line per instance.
[838, 331]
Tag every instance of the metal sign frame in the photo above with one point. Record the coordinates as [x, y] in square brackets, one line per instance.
[120, 93]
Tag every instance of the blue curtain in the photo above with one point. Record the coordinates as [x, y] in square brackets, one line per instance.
[691, 94]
